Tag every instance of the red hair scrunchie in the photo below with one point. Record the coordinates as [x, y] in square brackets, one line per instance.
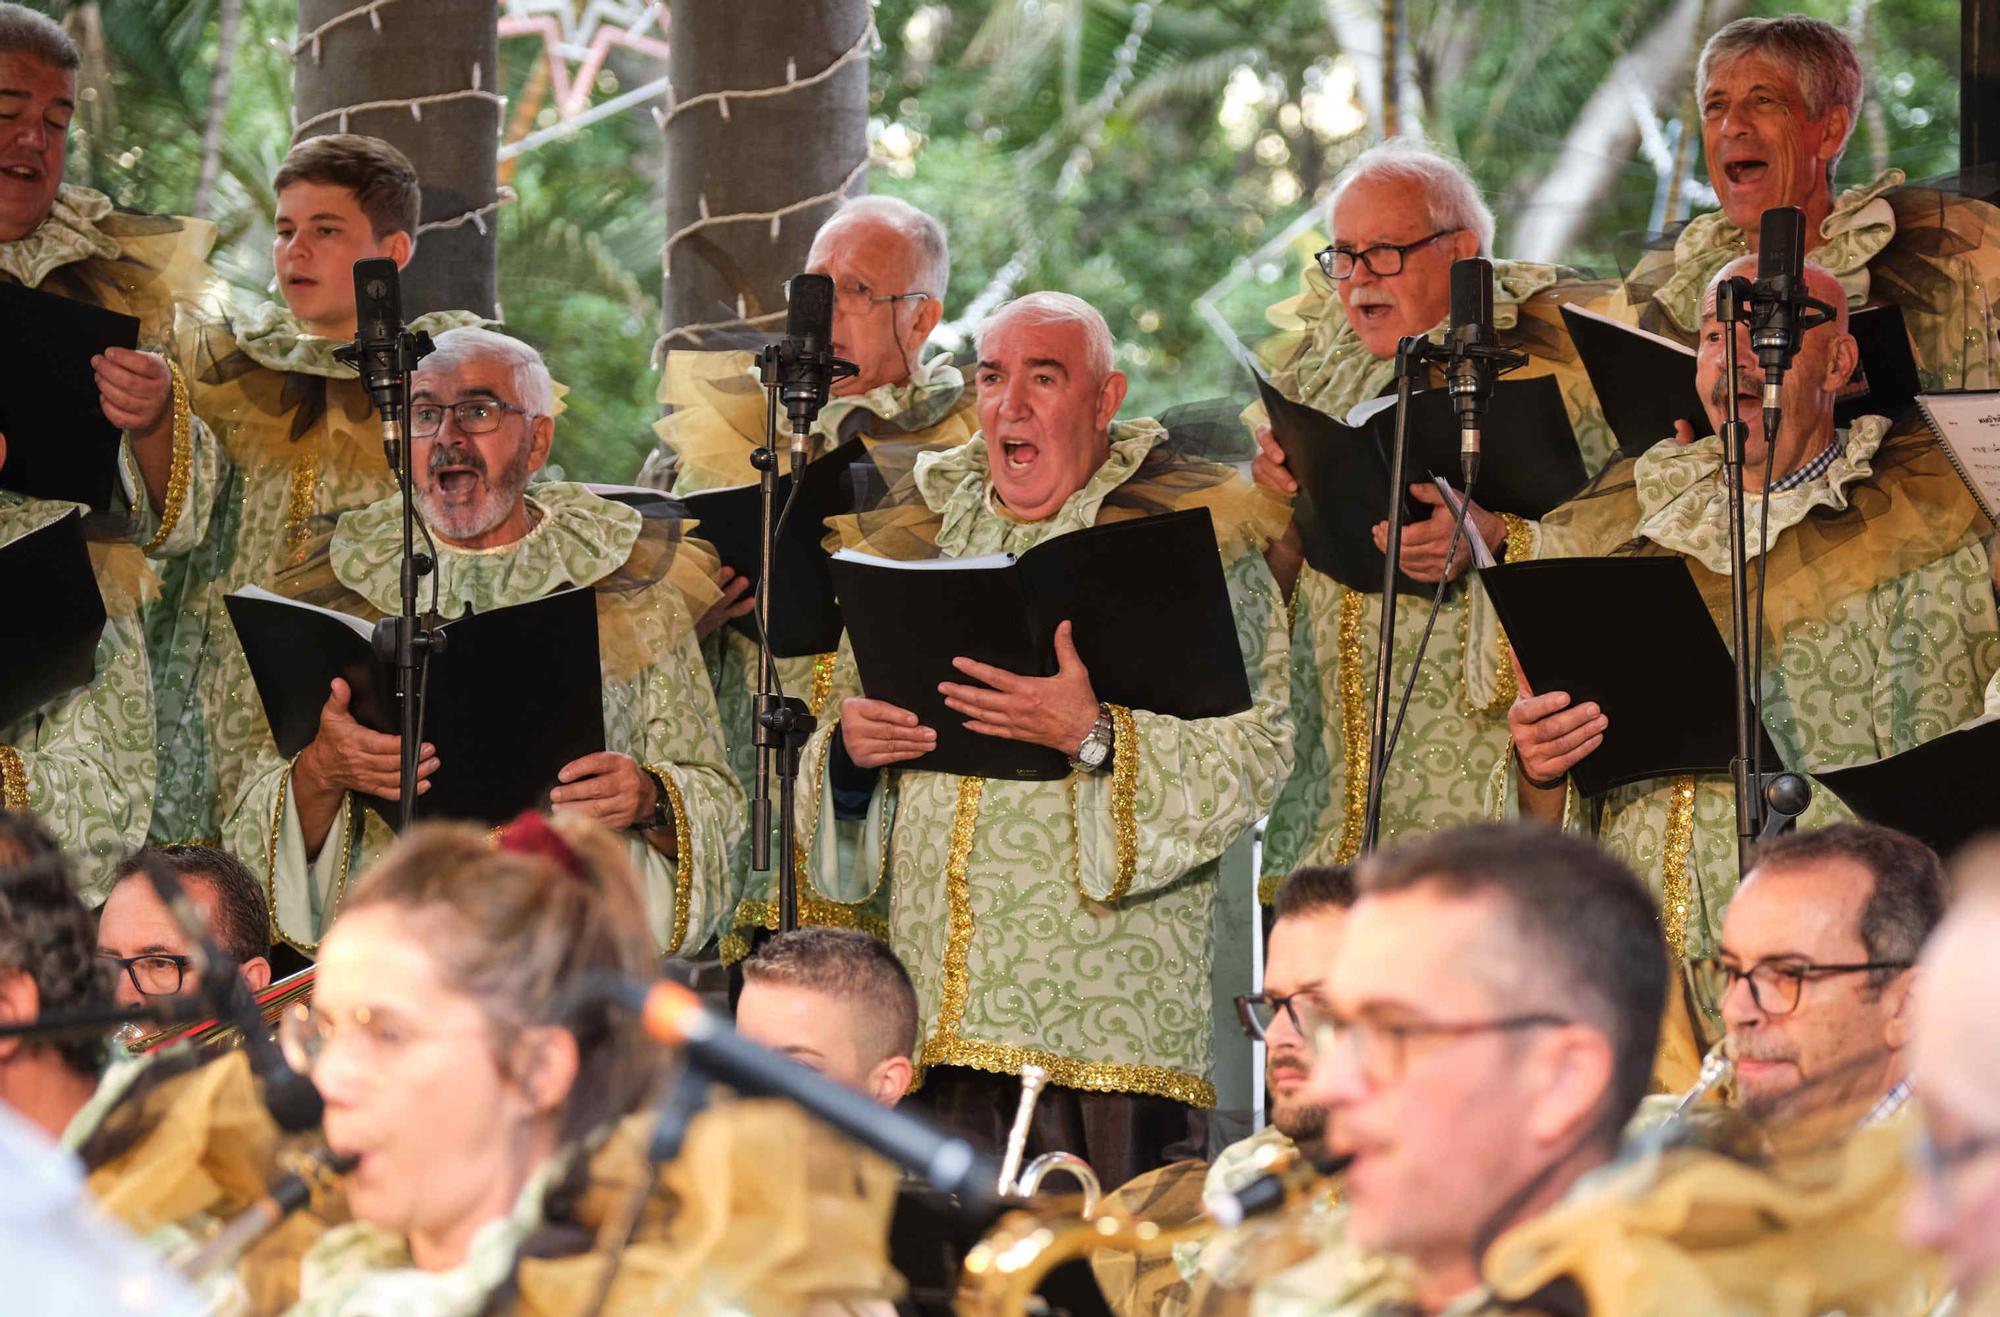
[530, 834]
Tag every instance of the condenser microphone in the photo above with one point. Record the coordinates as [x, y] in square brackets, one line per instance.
[1469, 374]
[376, 351]
[807, 367]
[1777, 296]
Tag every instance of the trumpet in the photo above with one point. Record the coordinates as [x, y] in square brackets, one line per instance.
[1019, 1182]
[212, 1034]
[1716, 1069]
[308, 1176]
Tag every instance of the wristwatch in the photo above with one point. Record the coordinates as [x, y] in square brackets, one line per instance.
[1095, 752]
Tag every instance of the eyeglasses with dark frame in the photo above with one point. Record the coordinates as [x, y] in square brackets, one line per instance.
[1257, 1011]
[155, 974]
[1775, 985]
[1383, 259]
[474, 416]
[1381, 1050]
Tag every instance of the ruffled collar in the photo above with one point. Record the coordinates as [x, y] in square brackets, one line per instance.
[579, 539]
[1333, 369]
[1861, 224]
[1684, 507]
[70, 234]
[274, 338]
[919, 402]
[957, 483]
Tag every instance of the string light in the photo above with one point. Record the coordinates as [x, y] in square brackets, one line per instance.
[372, 9]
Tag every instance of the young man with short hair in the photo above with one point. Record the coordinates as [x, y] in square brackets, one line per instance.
[837, 1000]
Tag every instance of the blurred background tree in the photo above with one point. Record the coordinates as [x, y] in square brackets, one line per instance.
[1166, 159]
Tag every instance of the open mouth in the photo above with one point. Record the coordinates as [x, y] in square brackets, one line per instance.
[457, 481]
[1020, 454]
[22, 173]
[1370, 313]
[1742, 173]
[299, 281]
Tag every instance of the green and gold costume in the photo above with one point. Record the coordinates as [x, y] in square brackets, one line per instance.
[84, 760]
[1456, 729]
[649, 582]
[716, 420]
[300, 444]
[1067, 923]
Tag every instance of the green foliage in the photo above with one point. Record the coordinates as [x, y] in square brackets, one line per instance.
[1140, 186]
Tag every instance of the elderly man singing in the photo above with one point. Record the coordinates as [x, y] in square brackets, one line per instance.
[480, 423]
[1064, 923]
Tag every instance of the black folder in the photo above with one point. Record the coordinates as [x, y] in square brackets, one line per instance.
[59, 444]
[1530, 464]
[1645, 382]
[1633, 636]
[1944, 792]
[53, 619]
[805, 617]
[516, 694]
[1150, 616]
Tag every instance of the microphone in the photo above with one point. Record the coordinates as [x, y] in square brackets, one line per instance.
[376, 353]
[1291, 1176]
[806, 365]
[673, 1015]
[1777, 294]
[1469, 374]
[288, 1095]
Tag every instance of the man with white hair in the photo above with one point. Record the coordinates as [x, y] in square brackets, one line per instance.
[1064, 923]
[480, 425]
[1400, 214]
[1956, 1074]
[1873, 542]
[890, 264]
[1779, 100]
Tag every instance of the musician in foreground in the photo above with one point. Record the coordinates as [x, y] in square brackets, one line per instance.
[480, 424]
[1064, 923]
[46, 964]
[1874, 540]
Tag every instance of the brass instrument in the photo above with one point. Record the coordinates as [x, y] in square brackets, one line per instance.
[309, 1176]
[210, 1034]
[1019, 1182]
[1716, 1069]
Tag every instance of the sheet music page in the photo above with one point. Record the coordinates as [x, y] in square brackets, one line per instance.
[1968, 424]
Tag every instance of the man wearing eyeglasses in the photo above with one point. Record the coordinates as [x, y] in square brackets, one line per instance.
[1400, 214]
[890, 264]
[152, 954]
[1956, 1072]
[1489, 1026]
[481, 420]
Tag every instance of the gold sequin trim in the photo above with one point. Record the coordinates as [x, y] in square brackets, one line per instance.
[822, 685]
[1095, 1076]
[1353, 726]
[683, 856]
[1519, 544]
[13, 780]
[958, 901]
[1675, 896]
[1267, 888]
[348, 809]
[814, 912]
[181, 464]
[1124, 799]
[299, 505]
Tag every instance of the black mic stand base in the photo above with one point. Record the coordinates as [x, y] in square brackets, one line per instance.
[784, 725]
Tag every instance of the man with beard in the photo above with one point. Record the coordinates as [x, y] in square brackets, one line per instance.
[1873, 540]
[480, 423]
[1310, 907]
[890, 264]
[1779, 99]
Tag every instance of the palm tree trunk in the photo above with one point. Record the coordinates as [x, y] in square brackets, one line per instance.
[426, 82]
[757, 158]
[229, 17]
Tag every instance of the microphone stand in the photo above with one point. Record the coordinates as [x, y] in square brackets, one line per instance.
[1413, 354]
[1732, 298]
[102, 1018]
[783, 722]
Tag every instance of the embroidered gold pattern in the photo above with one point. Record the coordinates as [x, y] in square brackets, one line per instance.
[822, 685]
[1267, 888]
[347, 815]
[1353, 726]
[1675, 894]
[1519, 545]
[683, 855]
[1124, 799]
[182, 462]
[958, 899]
[13, 779]
[299, 505]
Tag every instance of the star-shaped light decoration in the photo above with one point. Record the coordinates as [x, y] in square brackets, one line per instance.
[577, 35]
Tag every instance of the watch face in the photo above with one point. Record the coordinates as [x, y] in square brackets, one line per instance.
[1092, 752]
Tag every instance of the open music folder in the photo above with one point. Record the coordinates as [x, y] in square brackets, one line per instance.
[516, 694]
[1149, 611]
[59, 443]
[53, 619]
[1944, 792]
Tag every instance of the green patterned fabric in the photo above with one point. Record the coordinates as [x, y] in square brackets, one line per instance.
[152, 267]
[715, 423]
[657, 708]
[88, 754]
[299, 445]
[1456, 728]
[1033, 940]
[1935, 255]
[1881, 633]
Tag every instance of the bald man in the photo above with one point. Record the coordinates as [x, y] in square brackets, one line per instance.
[1956, 1072]
[1879, 615]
